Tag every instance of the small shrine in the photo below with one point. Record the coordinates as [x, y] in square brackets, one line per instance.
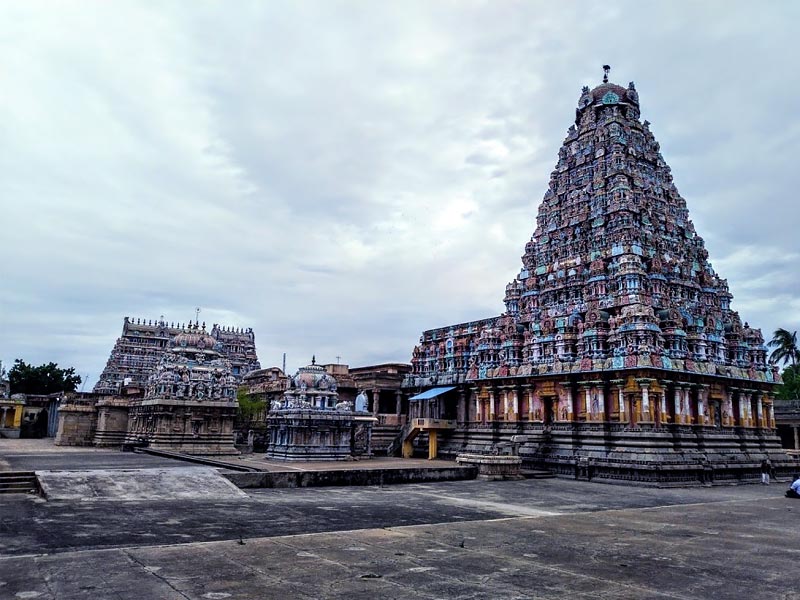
[190, 401]
[310, 423]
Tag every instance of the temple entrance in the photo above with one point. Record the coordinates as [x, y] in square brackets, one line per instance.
[547, 402]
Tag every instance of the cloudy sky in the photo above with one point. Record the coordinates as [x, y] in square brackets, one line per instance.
[342, 175]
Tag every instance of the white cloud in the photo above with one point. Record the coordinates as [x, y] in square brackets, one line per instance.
[340, 176]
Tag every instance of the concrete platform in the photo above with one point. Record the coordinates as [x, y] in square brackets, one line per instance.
[468, 539]
[172, 483]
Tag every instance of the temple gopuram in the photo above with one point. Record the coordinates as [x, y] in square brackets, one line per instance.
[190, 399]
[618, 356]
[143, 343]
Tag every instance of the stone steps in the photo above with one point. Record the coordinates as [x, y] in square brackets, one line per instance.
[18, 482]
[537, 474]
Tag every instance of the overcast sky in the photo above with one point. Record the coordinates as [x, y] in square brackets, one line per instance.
[342, 175]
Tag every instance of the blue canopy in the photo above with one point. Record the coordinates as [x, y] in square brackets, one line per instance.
[432, 393]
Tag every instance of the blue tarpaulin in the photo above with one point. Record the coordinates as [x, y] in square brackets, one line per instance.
[432, 393]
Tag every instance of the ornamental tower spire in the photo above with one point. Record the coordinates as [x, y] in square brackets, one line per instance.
[615, 269]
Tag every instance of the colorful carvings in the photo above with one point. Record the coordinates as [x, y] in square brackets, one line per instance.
[614, 276]
[190, 399]
[143, 343]
[618, 352]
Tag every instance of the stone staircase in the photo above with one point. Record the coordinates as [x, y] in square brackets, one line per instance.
[18, 482]
[382, 438]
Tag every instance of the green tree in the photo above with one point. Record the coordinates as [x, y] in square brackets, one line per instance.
[790, 390]
[785, 350]
[249, 407]
[44, 379]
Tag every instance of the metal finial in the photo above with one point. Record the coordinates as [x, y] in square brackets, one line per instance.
[313, 359]
[606, 69]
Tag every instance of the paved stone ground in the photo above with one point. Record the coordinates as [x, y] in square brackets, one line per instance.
[42, 455]
[471, 539]
[551, 538]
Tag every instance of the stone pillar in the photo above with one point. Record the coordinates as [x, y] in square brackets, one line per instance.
[376, 401]
[476, 395]
[727, 408]
[504, 392]
[568, 404]
[647, 409]
[515, 403]
[398, 403]
[584, 401]
[491, 405]
[461, 407]
[759, 412]
[702, 404]
[796, 436]
[772, 414]
[744, 406]
[666, 414]
[528, 391]
[618, 402]
[601, 400]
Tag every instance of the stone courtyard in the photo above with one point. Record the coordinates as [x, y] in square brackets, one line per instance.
[549, 538]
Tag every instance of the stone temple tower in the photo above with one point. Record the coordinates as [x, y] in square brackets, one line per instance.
[618, 348]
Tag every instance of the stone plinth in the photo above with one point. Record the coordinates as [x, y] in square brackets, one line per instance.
[313, 434]
[112, 422]
[76, 424]
[187, 426]
[493, 467]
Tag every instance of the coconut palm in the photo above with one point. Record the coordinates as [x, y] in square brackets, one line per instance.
[785, 347]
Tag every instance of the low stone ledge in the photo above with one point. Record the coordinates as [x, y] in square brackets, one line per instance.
[349, 477]
[493, 467]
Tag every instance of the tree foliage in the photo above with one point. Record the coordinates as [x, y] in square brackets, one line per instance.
[44, 379]
[249, 407]
[784, 344]
[790, 390]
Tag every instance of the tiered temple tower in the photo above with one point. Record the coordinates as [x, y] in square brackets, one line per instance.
[618, 348]
[190, 400]
[143, 343]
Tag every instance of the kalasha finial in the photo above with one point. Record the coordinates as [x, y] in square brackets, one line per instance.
[606, 69]
[313, 359]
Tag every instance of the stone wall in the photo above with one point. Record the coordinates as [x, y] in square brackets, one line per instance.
[77, 424]
[112, 422]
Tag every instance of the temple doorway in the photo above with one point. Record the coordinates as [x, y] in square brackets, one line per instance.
[547, 402]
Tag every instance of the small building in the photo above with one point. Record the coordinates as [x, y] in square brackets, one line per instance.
[311, 423]
[787, 418]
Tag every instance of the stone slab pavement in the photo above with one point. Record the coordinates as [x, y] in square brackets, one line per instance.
[469, 539]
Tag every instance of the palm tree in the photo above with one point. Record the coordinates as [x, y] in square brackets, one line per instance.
[785, 347]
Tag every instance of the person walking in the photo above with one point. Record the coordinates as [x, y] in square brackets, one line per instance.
[765, 469]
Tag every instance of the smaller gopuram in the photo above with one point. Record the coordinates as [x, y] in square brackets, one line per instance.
[143, 342]
[310, 423]
[190, 401]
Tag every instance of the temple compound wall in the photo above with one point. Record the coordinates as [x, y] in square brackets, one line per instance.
[138, 351]
[618, 353]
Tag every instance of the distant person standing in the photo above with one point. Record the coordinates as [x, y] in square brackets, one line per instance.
[794, 489]
[765, 469]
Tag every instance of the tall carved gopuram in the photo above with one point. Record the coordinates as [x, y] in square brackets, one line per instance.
[142, 345]
[618, 352]
[190, 399]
